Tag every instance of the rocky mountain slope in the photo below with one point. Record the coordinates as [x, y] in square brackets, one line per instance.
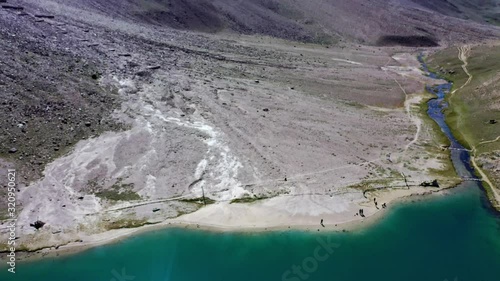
[482, 11]
[381, 22]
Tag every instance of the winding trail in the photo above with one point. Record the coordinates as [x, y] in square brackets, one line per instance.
[407, 103]
[489, 141]
[463, 55]
[485, 178]
[417, 121]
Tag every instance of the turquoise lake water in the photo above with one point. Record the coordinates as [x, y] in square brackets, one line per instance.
[453, 237]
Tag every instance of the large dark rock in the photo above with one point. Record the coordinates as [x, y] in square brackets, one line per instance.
[38, 224]
[44, 16]
[433, 183]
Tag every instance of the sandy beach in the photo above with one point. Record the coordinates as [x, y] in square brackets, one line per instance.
[246, 218]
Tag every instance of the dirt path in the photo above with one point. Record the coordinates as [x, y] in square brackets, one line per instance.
[487, 180]
[417, 121]
[490, 141]
[347, 61]
[463, 55]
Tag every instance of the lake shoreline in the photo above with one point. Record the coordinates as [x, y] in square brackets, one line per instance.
[261, 216]
[115, 236]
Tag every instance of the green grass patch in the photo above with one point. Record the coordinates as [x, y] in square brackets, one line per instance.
[114, 195]
[249, 199]
[117, 192]
[375, 184]
[440, 139]
[471, 107]
[438, 136]
[4, 215]
[126, 223]
[199, 200]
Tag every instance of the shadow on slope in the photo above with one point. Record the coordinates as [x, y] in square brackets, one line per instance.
[407, 41]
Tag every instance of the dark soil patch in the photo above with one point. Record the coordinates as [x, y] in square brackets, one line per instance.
[407, 41]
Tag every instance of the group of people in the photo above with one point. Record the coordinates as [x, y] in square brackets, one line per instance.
[361, 211]
[376, 204]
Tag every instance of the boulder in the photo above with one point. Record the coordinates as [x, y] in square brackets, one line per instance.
[12, 7]
[38, 224]
[433, 183]
[44, 16]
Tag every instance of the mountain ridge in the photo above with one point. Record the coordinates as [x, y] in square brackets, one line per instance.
[315, 21]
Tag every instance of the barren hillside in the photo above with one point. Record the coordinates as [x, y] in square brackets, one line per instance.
[382, 22]
[483, 11]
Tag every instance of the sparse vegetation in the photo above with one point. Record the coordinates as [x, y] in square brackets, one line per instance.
[118, 191]
[249, 199]
[472, 107]
[126, 223]
[199, 200]
[473, 110]
[114, 195]
[4, 215]
[441, 142]
[374, 184]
